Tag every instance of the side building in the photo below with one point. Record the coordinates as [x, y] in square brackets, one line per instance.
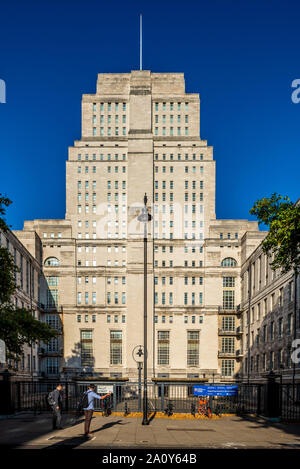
[26, 249]
[267, 316]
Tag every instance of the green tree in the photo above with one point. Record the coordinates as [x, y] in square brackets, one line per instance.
[17, 325]
[283, 219]
[283, 239]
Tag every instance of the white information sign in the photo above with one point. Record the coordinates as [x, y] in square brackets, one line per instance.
[104, 389]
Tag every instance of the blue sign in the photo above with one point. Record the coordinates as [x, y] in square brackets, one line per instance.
[218, 390]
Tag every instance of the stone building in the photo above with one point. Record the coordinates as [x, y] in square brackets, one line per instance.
[141, 134]
[267, 316]
[27, 253]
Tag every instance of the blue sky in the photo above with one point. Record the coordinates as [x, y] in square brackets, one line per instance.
[241, 56]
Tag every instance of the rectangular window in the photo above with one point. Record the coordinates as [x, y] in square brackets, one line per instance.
[163, 345]
[52, 366]
[116, 347]
[271, 360]
[52, 298]
[228, 281]
[228, 299]
[265, 333]
[228, 344]
[52, 320]
[193, 348]
[52, 346]
[290, 290]
[289, 323]
[228, 324]
[86, 342]
[227, 368]
[280, 298]
[272, 330]
[52, 281]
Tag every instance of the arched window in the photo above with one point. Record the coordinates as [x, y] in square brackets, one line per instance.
[228, 262]
[51, 261]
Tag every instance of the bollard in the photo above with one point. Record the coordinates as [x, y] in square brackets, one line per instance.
[126, 410]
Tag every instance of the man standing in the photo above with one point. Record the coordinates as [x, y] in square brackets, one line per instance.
[55, 400]
[88, 411]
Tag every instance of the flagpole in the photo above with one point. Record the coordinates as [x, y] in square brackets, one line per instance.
[141, 42]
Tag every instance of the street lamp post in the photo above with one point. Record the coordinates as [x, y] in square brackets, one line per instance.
[144, 217]
[138, 351]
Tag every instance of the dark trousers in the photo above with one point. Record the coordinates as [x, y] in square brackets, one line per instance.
[88, 417]
[56, 417]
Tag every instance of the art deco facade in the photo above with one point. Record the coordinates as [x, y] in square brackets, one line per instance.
[141, 134]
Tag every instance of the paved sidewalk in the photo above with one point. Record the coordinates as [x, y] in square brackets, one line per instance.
[29, 431]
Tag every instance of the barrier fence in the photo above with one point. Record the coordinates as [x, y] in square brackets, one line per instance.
[271, 399]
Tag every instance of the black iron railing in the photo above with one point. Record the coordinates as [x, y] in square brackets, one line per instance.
[127, 397]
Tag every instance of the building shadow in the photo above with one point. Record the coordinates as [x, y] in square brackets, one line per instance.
[21, 429]
[257, 422]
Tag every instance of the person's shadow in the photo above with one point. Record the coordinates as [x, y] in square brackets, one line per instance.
[76, 441]
[108, 425]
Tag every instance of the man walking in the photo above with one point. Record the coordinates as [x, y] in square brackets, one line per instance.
[88, 411]
[55, 400]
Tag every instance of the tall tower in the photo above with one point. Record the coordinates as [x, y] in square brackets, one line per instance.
[141, 134]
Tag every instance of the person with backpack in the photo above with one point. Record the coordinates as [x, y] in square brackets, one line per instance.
[55, 398]
[87, 405]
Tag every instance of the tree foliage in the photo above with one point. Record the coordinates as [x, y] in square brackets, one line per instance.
[4, 202]
[17, 325]
[283, 239]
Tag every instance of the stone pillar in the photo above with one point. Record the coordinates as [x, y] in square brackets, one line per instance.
[6, 401]
[139, 182]
[272, 401]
